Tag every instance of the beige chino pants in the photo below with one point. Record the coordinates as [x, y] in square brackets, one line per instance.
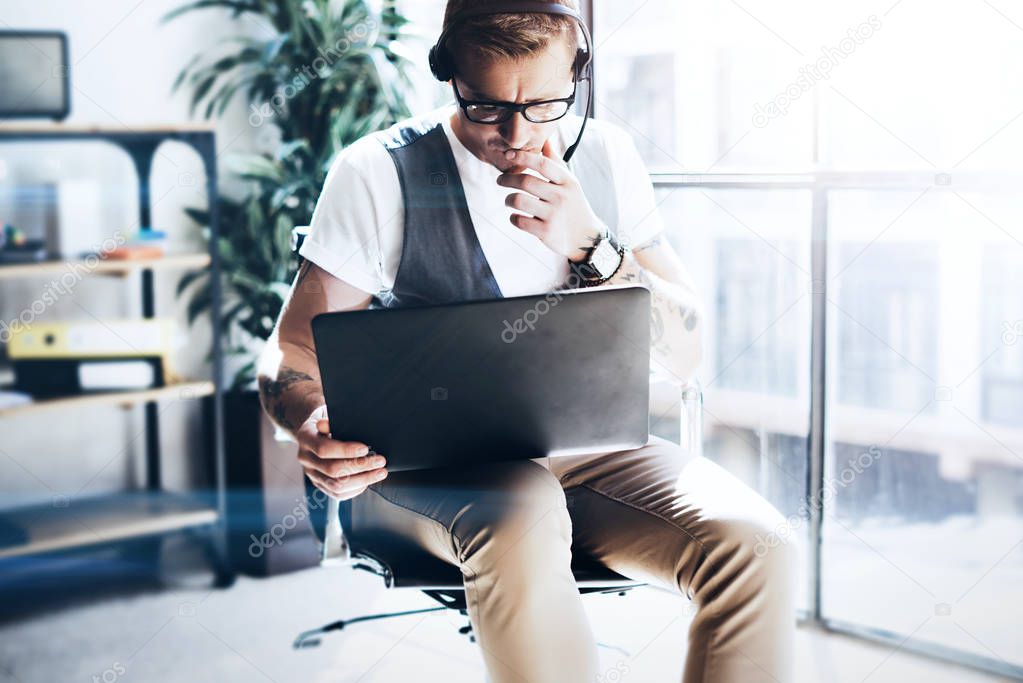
[655, 514]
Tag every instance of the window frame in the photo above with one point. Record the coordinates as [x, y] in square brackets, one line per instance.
[820, 184]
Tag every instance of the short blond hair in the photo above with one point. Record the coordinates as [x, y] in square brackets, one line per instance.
[493, 37]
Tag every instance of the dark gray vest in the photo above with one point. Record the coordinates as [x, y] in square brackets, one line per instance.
[441, 258]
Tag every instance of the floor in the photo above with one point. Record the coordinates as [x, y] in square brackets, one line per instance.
[184, 631]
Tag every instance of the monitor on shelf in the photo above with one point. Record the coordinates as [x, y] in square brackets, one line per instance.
[34, 75]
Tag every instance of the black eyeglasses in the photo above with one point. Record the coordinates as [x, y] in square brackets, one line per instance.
[485, 111]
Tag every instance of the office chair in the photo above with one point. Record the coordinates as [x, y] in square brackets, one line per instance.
[407, 566]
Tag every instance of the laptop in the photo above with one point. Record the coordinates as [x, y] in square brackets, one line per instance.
[489, 380]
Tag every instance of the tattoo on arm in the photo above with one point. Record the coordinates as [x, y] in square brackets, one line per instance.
[656, 326]
[647, 245]
[591, 242]
[664, 309]
[272, 392]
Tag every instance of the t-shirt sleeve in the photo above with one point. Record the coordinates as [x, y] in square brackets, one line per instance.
[639, 218]
[345, 233]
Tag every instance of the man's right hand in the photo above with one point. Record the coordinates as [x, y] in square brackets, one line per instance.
[342, 469]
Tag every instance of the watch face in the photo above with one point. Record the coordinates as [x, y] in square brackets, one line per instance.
[604, 259]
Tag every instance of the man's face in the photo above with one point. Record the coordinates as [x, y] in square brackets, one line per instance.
[546, 75]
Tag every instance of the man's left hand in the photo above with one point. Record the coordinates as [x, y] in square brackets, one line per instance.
[559, 214]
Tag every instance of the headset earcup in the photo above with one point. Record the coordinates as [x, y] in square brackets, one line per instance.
[580, 68]
[435, 67]
[440, 64]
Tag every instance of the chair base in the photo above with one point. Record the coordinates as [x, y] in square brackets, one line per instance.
[453, 599]
[310, 638]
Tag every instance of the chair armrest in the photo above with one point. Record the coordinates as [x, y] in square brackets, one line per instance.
[676, 411]
[334, 548]
[692, 417]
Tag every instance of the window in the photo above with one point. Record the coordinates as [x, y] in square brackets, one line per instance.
[890, 291]
[892, 179]
[750, 257]
[925, 440]
[714, 67]
[1002, 374]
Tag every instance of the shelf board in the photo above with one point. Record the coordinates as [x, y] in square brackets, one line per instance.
[37, 529]
[104, 267]
[178, 390]
[51, 128]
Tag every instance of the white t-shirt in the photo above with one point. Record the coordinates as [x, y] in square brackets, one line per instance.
[357, 229]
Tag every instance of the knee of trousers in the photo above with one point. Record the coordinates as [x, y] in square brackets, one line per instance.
[749, 556]
[518, 511]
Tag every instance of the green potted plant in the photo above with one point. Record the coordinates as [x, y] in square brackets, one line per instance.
[331, 72]
[328, 73]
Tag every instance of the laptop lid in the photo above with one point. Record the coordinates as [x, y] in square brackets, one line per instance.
[478, 381]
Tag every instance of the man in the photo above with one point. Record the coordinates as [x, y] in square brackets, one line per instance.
[474, 200]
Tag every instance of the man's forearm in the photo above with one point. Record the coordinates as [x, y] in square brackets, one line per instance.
[674, 318]
[289, 387]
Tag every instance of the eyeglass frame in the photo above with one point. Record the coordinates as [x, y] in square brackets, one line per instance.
[513, 107]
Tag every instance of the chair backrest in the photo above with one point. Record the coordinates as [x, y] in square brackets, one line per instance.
[298, 235]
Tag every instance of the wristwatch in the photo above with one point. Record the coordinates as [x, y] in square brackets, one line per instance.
[602, 262]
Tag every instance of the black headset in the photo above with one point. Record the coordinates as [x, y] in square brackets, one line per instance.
[442, 62]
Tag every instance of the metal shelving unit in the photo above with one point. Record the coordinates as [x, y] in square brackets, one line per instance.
[149, 513]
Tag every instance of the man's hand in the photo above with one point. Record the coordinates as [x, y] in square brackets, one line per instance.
[342, 469]
[559, 214]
